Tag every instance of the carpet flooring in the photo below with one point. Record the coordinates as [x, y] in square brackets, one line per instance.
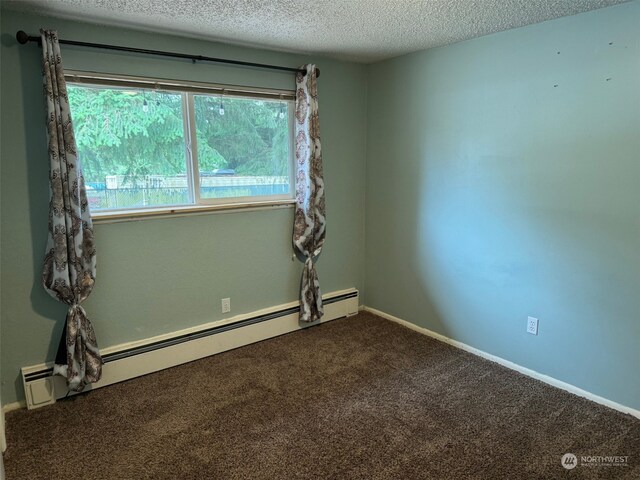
[356, 398]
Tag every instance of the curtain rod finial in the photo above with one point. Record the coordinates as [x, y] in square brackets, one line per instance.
[22, 37]
[305, 71]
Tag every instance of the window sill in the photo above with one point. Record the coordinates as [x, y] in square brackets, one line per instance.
[187, 210]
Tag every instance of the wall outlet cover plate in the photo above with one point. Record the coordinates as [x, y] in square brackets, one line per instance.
[532, 325]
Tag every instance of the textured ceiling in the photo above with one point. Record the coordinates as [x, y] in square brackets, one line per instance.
[360, 30]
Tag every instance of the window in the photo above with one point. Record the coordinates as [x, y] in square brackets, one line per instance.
[150, 145]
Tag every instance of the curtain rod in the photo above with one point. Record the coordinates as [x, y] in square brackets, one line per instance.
[22, 37]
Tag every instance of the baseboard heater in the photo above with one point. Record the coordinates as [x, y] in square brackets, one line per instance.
[126, 361]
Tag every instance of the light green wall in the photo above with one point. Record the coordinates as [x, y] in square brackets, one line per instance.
[493, 194]
[160, 275]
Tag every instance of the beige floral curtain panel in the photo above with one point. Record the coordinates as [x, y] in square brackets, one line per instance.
[309, 221]
[70, 262]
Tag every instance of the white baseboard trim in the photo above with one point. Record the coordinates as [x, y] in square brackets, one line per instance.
[3, 439]
[506, 363]
[10, 407]
[134, 359]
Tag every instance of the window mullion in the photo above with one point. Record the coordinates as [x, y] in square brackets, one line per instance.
[191, 147]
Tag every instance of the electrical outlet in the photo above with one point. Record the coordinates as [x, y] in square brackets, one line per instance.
[532, 325]
[226, 305]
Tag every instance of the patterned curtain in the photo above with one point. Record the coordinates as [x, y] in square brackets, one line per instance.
[309, 222]
[70, 262]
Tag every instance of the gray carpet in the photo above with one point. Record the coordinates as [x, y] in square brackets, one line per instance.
[356, 398]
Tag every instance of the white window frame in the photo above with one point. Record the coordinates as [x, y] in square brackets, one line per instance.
[188, 90]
